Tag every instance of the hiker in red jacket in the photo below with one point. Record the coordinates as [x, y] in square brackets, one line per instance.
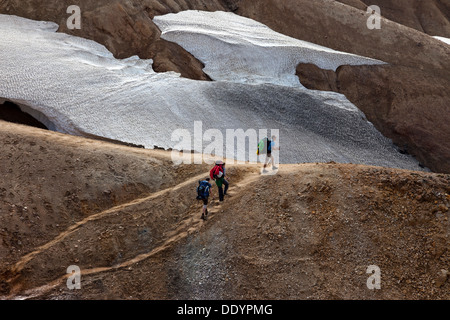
[218, 175]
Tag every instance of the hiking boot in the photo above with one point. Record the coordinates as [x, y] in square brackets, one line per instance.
[203, 217]
[274, 168]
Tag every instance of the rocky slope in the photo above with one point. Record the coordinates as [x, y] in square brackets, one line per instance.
[431, 17]
[128, 217]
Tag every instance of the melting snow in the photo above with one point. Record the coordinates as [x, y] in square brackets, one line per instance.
[78, 86]
[242, 50]
[446, 40]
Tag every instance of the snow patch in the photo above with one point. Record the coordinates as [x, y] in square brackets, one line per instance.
[79, 87]
[446, 40]
[239, 49]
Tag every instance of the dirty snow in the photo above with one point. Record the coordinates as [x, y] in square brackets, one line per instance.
[80, 88]
[240, 49]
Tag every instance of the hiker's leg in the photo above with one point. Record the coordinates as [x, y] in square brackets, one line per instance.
[205, 206]
[220, 193]
[225, 182]
[204, 209]
[266, 161]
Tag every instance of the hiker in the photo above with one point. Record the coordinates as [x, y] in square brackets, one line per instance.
[203, 194]
[217, 173]
[266, 146]
[225, 181]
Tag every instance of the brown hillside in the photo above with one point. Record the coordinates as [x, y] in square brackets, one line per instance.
[128, 217]
[431, 17]
[406, 105]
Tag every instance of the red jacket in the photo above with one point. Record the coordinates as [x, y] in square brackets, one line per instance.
[215, 171]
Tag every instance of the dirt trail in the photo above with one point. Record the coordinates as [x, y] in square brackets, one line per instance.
[22, 262]
[307, 232]
[188, 224]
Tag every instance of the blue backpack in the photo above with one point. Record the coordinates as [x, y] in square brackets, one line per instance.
[203, 190]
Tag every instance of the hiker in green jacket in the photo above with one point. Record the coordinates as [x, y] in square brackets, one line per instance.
[270, 146]
[218, 175]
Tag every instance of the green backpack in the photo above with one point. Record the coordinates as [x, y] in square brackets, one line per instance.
[264, 146]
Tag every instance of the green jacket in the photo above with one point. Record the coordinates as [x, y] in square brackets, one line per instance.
[219, 181]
